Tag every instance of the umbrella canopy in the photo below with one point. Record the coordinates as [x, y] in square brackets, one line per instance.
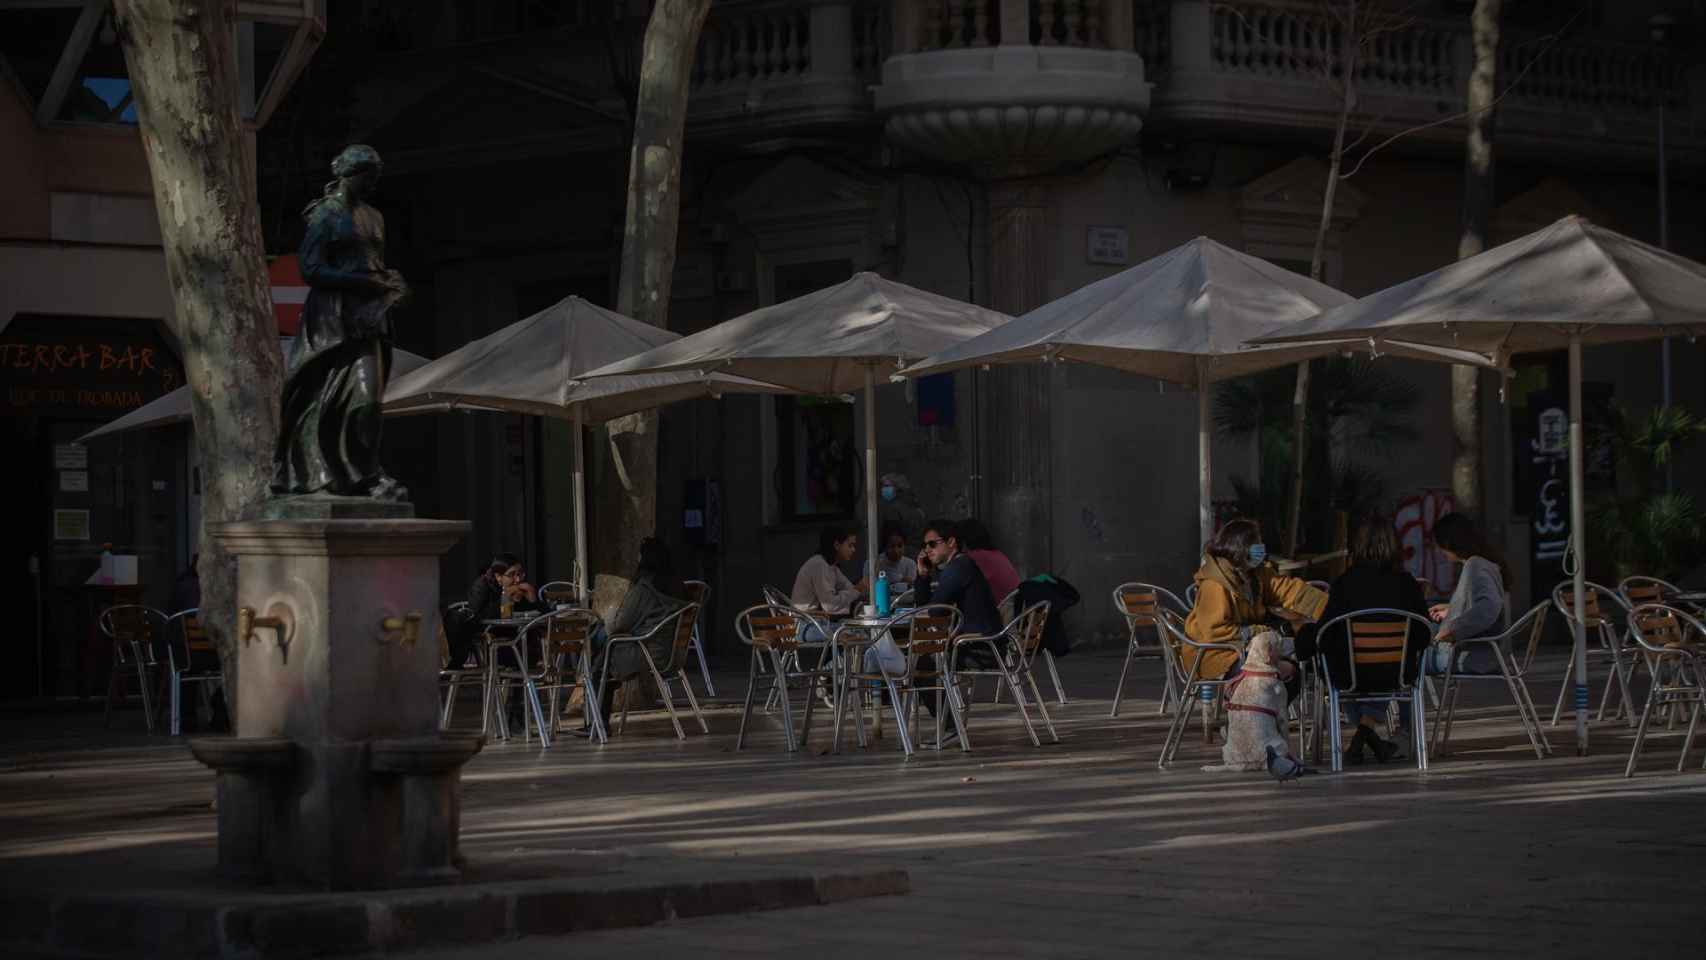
[824, 342]
[830, 341]
[174, 407]
[1182, 316]
[535, 366]
[1175, 317]
[1571, 278]
[1565, 285]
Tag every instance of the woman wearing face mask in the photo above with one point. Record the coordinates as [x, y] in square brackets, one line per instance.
[1236, 589]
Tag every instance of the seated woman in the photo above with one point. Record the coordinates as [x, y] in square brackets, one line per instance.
[654, 594]
[976, 542]
[503, 578]
[893, 562]
[1376, 579]
[1477, 606]
[820, 584]
[1237, 588]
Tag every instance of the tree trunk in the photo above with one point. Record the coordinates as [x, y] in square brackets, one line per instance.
[626, 483]
[1466, 485]
[1317, 270]
[183, 74]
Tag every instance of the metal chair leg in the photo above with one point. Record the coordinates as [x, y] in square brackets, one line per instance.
[704, 668]
[693, 702]
[1042, 707]
[1119, 688]
[1054, 674]
[746, 703]
[1641, 730]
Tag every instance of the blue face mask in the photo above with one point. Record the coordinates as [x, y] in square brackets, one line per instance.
[1258, 555]
[887, 492]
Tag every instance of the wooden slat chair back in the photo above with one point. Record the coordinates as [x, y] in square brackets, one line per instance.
[1373, 642]
[1659, 627]
[931, 633]
[1028, 629]
[775, 631]
[681, 637]
[1565, 598]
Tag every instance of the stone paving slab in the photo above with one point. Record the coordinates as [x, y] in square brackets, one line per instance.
[1081, 849]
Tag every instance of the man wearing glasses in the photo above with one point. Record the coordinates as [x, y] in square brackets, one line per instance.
[947, 575]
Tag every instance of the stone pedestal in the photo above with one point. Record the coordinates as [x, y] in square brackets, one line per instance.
[341, 662]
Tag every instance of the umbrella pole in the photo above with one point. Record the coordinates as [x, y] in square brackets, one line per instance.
[871, 545]
[1205, 471]
[577, 439]
[1578, 533]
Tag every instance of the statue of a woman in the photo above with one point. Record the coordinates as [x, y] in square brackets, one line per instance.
[329, 430]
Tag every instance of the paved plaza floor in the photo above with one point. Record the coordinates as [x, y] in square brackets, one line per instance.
[1077, 849]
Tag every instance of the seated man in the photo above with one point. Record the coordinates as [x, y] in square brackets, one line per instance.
[948, 575]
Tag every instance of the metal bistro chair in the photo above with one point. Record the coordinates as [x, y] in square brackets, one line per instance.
[856, 679]
[559, 592]
[1378, 636]
[521, 671]
[1612, 647]
[1014, 649]
[1140, 604]
[1512, 671]
[678, 627]
[452, 675]
[1670, 637]
[699, 592]
[1636, 591]
[816, 639]
[134, 629]
[773, 632]
[191, 658]
[1009, 609]
[566, 663]
[931, 630]
[1194, 689]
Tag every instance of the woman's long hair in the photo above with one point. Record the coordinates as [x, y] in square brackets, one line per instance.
[1459, 534]
[1232, 542]
[655, 563]
[831, 535]
[1375, 545]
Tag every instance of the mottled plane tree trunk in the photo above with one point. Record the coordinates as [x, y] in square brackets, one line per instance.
[627, 477]
[1466, 479]
[183, 75]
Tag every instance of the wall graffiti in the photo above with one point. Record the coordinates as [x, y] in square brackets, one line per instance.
[1414, 520]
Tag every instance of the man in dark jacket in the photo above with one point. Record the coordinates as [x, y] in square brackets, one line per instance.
[946, 575]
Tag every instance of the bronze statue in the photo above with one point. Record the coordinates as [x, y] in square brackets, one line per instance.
[329, 429]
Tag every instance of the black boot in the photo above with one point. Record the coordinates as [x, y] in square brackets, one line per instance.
[1384, 750]
[1353, 753]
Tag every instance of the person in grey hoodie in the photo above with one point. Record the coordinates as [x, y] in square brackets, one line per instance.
[1478, 605]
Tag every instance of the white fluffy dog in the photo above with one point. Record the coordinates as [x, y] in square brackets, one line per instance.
[1255, 705]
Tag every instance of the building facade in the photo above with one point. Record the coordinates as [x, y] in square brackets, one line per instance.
[1000, 151]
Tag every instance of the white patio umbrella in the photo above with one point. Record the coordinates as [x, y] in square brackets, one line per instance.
[830, 341]
[535, 366]
[174, 407]
[1182, 317]
[1565, 285]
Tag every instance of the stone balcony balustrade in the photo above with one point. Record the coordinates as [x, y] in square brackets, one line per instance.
[782, 65]
[1260, 63]
[1012, 86]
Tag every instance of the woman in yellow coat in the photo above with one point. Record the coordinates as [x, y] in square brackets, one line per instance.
[1236, 589]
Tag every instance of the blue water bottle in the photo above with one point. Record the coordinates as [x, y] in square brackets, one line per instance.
[880, 594]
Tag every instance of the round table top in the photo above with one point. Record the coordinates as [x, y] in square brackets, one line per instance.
[513, 621]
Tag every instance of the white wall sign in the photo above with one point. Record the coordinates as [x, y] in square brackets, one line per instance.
[74, 481]
[70, 524]
[1110, 245]
[70, 456]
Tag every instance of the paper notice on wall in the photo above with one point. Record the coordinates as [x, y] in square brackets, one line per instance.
[70, 456]
[74, 481]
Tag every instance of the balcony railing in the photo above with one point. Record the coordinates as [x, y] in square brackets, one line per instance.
[1266, 61]
[962, 24]
[764, 63]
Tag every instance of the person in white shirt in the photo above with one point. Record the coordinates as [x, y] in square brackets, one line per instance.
[900, 568]
[820, 584]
